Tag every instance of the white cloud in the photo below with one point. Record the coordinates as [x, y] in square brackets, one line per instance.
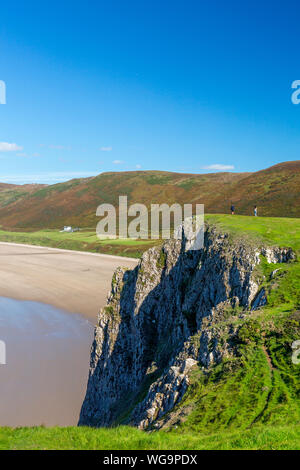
[138, 166]
[7, 147]
[60, 147]
[44, 178]
[118, 162]
[106, 149]
[218, 167]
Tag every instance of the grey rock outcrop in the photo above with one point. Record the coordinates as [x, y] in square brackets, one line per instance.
[144, 346]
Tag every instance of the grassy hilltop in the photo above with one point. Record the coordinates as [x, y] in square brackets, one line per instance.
[249, 402]
[275, 191]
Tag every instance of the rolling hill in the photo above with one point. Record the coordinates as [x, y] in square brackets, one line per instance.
[10, 193]
[276, 192]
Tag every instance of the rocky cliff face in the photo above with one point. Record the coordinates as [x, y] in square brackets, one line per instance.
[164, 317]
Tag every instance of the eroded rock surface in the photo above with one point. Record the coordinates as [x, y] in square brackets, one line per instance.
[144, 345]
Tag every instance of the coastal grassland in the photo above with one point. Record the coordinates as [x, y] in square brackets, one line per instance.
[259, 384]
[284, 287]
[268, 230]
[127, 438]
[85, 240]
[282, 231]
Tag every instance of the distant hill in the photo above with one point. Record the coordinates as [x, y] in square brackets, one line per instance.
[10, 193]
[276, 192]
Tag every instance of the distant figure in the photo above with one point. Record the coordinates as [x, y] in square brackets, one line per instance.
[255, 211]
[232, 209]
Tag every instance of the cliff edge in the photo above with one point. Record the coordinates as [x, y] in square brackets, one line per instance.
[177, 314]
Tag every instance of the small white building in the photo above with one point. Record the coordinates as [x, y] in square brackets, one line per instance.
[67, 228]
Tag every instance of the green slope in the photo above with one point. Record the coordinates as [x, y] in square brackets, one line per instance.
[125, 438]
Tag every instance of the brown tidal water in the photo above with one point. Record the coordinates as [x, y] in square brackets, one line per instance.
[47, 361]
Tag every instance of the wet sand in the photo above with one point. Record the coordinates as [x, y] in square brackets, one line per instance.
[47, 364]
[74, 281]
[47, 340]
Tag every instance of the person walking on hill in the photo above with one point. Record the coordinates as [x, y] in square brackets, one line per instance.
[232, 209]
[255, 211]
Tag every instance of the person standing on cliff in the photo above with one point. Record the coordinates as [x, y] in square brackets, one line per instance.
[255, 211]
[232, 209]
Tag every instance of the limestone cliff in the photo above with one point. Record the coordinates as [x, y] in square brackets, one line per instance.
[144, 345]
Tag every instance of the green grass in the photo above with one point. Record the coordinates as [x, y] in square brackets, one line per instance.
[260, 385]
[85, 240]
[125, 438]
[284, 291]
[270, 230]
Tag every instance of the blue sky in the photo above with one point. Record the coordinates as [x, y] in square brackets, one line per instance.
[166, 85]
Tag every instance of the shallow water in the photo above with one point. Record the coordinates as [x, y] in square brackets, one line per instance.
[47, 361]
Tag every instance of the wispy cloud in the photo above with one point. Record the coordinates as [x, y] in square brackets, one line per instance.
[8, 147]
[138, 166]
[118, 162]
[60, 147]
[44, 178]
[23, 154]
[218, 167]
[106, 149]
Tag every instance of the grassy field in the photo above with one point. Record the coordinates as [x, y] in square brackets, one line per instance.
[85, 240]
[125, 438]
[282, 231]
[269, 230]
[284, 291]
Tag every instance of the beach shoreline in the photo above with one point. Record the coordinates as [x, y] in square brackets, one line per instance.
[74, 281]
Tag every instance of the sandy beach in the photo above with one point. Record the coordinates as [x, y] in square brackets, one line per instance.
[74, 281]
[47, 348]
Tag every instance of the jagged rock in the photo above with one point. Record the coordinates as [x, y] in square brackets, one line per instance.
[278, 255]
[260, 300]
[161, 319]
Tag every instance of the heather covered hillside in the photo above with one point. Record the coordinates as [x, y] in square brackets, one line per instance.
[10, 193]
[275, 191]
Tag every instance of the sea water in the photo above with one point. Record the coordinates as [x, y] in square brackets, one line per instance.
[47, 360]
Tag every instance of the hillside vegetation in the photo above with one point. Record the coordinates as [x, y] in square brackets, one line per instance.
[275, 191]
[10, 193]
[261, 385]
[126, 438]
[282, 231]
[86, 240]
